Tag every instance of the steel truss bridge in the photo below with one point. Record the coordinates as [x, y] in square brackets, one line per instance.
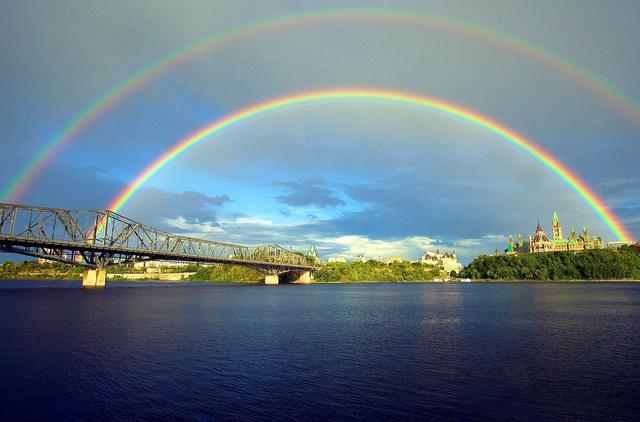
[96, 239]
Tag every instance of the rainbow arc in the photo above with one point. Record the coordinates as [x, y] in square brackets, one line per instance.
[397, 97]
[27, 174]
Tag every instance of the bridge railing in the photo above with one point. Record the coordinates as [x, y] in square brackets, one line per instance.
[106, 229]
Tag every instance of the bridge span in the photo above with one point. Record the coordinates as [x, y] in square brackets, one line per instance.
[97, 239]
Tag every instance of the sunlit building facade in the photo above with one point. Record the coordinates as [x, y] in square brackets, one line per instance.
[447, 261]
[540, 242]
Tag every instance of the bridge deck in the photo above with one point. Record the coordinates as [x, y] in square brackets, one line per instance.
[97, 238]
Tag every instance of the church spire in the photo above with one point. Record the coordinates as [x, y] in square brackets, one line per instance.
[573, 236]
[556, 228]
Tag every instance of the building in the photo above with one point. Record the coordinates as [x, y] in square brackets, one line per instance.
[155, 266]
[360, 258]
[64, 256]
[392, 260]
[313, 252]
[620, 243]
[447, 261]
[337, 259]
[540, 242]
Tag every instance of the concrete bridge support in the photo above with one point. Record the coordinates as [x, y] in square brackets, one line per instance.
[271, 279]
[304, 278]
[94, 278]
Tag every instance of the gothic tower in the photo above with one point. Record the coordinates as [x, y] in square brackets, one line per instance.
[313, 251]
[556, 227]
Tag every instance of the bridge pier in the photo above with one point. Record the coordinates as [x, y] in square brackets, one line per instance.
[94, 278]
[271, 279]
[304, 278]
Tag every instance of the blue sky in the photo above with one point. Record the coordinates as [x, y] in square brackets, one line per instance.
[353, 177]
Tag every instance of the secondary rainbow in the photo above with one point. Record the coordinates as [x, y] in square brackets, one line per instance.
[26, 175]
[304, 98]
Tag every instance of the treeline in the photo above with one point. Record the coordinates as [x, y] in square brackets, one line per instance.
[375, 271]
[130, 269]
[600, 264]
[332, 272]
[32, 270]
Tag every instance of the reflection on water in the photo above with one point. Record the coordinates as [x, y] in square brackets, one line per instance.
[393, 351]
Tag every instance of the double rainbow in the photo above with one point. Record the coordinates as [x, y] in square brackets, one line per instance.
[26, 175]
[429, 103]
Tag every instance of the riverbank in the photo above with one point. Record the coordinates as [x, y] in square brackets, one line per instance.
[351, 273]
[180, 278]
[596, 264]
[149, 276]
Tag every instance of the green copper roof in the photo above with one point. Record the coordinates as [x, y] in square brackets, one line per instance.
[556, 220]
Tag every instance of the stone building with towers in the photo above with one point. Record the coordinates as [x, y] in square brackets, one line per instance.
[446, 261]
[540, 242]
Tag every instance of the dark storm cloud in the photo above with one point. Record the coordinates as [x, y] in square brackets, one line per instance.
[620, 187]
[86, 187]
[415, 204]
[630, 216]
[309, 192]
[93, 188]
[154, 206]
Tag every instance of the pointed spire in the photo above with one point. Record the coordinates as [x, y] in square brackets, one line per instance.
[556, 220]
[539, 228]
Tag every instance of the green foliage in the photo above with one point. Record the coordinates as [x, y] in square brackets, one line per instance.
[33, 270]
[599, 264]
[191, 268]
[125, 269]
[374, 271]
[226, 273]
[313, 260]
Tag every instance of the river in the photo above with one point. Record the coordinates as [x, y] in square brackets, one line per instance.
[403, 351]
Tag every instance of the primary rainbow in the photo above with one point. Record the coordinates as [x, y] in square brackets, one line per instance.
[590, 197]
[26, 175]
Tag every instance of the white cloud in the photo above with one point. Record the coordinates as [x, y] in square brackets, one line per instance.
[302, 235]
[248, 221]
[195, 229]
[351, 246]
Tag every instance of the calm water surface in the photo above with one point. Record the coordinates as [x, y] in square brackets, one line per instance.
[384, 351]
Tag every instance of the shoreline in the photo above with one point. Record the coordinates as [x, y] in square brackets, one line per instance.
[478, 281]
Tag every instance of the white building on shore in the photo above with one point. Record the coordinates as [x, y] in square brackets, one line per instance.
[447, 261]
[156, 265]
